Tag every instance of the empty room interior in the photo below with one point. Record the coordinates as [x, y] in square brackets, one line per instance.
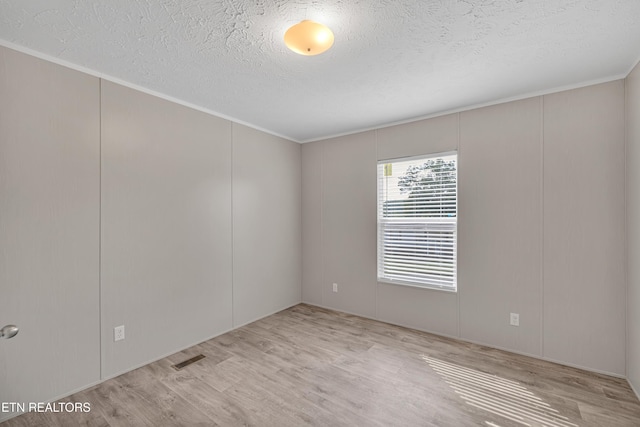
[332, 213]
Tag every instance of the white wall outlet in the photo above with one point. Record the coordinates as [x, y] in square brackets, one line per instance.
[118, 333]
[335, 287]
[514, 319]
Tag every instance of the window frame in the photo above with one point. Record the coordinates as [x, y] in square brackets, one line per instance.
[424, 224]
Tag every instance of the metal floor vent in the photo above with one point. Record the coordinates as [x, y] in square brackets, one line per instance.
[187, 362]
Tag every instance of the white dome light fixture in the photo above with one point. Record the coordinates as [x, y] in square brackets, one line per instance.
[308, 38]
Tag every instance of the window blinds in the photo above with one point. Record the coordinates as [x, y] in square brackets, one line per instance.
[417, 221]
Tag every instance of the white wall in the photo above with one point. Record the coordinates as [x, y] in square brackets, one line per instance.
[200, 226]
[633, 227]
[166, 227]
[530, 240]
[120, 208]
[347, 261]
[584, 233]
[49, 228]
[267, 238]
[500, 225]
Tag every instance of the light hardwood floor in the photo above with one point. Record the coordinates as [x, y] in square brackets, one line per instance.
[311, 366]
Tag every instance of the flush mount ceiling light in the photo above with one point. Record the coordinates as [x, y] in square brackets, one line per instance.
[308, 38]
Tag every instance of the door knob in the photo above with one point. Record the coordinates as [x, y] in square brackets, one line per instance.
[9, 331]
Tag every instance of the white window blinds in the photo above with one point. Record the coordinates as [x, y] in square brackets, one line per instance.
[417, 221]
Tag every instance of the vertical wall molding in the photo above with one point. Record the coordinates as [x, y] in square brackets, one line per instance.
[542, 225]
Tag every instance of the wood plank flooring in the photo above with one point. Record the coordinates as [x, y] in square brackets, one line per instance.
[311, 366]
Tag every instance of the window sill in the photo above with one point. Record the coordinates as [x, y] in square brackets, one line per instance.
[414, 285]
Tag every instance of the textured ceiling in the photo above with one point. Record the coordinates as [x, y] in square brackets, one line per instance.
[392, 60]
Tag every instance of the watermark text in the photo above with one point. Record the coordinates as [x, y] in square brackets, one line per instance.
[55, 407]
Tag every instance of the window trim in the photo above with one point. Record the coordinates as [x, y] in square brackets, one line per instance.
[409, 283]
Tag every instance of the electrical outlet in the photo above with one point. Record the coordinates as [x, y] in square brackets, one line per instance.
[118, 333]
[514, 319]
[335, 287]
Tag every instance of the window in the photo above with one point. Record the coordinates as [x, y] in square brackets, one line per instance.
[417, 221]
